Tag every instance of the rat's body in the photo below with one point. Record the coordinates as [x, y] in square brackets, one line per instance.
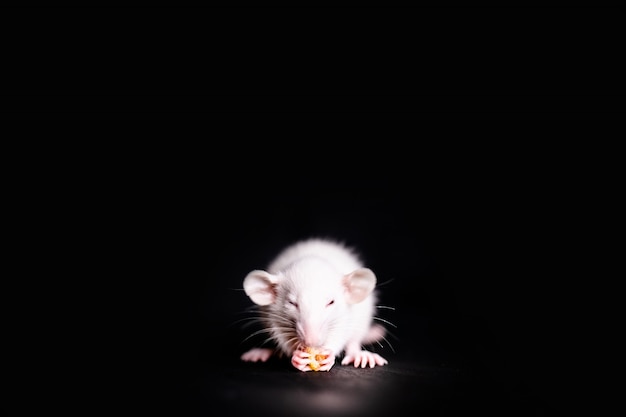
[316, 293]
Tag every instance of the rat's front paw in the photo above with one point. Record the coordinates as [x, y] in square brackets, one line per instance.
[313, 359]
[323, 360]
[257, 354]
[301, 360]
[363, 358]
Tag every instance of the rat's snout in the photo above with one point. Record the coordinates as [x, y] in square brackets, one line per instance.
[310, 333]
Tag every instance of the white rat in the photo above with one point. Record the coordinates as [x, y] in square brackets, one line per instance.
[316, 293]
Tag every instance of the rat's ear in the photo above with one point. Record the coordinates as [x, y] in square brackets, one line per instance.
[260, 286]
[359, 284]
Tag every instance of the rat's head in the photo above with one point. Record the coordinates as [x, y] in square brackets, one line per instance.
[308, 301]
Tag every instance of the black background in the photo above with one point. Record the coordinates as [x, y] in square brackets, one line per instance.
[469, 168]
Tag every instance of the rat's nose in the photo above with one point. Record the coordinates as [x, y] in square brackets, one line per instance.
[311, 335]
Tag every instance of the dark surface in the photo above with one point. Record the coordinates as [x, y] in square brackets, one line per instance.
[404, 387]
[416, 380]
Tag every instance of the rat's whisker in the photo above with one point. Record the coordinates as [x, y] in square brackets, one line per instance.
[258, 332]
[385, 321]
[248, 320]
[390, 346]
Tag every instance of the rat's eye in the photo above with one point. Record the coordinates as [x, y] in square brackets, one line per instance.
[331, 302]
[293, 303]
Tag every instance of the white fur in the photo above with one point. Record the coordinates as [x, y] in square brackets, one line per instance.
[316, 293]
[342, 258]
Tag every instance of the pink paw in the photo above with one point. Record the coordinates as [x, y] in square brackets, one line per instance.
[303, 361]
[364, 358]
[257, 354]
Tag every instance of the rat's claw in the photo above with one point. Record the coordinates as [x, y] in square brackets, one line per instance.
[301, 360]
[364, 358]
